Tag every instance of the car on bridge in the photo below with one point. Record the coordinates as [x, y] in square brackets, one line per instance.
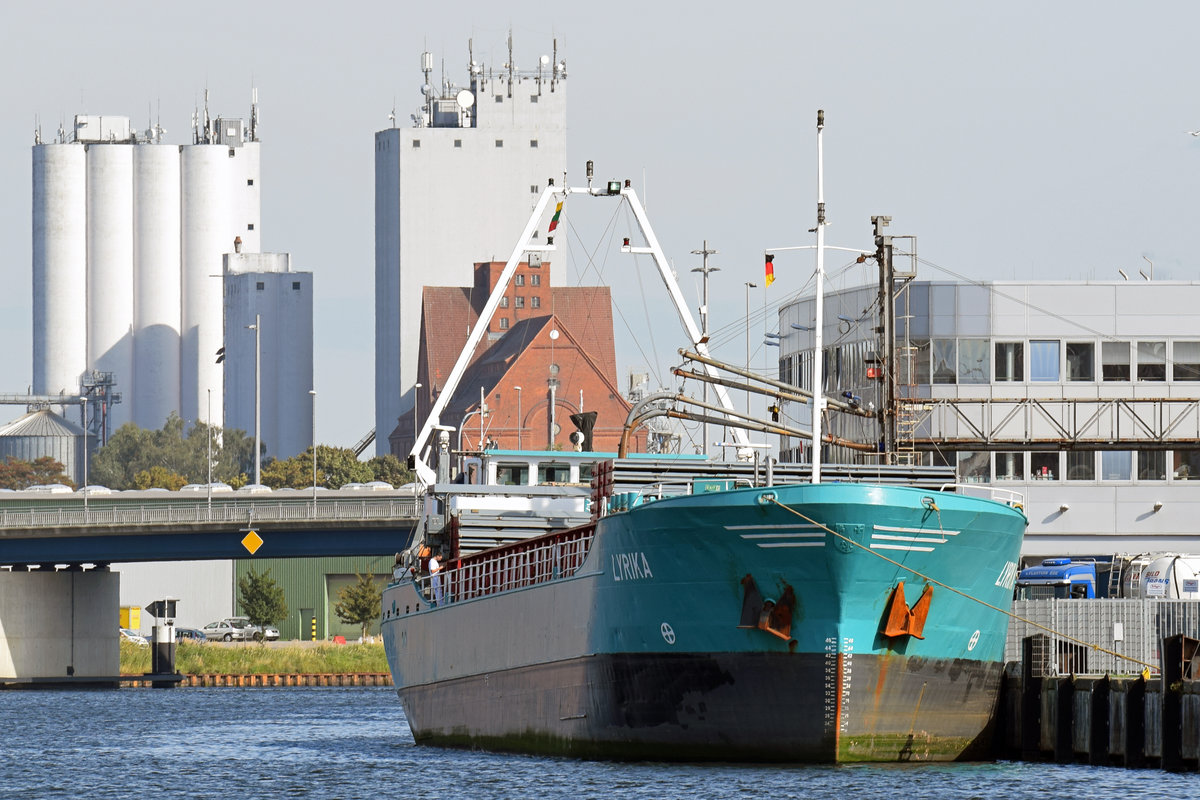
[224, 631]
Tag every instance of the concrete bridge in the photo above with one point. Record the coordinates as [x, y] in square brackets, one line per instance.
[59, 601]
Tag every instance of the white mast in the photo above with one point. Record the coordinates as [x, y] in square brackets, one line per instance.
[819, 324]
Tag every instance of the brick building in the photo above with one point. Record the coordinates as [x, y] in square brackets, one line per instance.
[548, 353]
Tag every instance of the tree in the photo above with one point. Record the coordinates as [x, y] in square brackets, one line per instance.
[336, 466]
[261, 598]
[159, 478]
[360, 603]
[388, 468]
[18, 474]
[132, 450]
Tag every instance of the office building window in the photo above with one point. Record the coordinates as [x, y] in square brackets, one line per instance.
[533, 142]
[1186, 465]
[943, 360]
[1186, 361]
[1044, 467]
[1010, 466]
[1081, 361]
[458, 142]
[535, 302]
[295, 288]
[249, 181]
[1010, 361]
[504, 323]
[519, 302]
[260, 285]
[533, 98]
[504, 301]
[1152, 361]
[1043, 360]
[499, 143]
[1116, 465]
[974, 467]
[518, 280]
[913, 367]
[1114, 358]
[973, 365]
[499, 98]
[1152, 465]
[1081, 466]
[416, 142]
[535, 280]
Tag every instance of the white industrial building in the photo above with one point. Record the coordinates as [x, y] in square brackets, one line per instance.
[261, 289]
[1084, 397]
[452, 190]
[128, 237]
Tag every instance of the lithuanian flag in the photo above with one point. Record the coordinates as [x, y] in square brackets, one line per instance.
[770, 269]
[554, 219]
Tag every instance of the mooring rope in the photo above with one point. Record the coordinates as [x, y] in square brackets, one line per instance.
[1092, 645]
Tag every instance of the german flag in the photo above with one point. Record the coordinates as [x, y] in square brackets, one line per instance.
[770, 269]
[554, 219]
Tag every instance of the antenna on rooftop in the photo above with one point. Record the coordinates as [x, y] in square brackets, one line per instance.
[253, 114]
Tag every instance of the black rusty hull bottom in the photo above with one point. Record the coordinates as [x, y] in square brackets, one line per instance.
[725, 706]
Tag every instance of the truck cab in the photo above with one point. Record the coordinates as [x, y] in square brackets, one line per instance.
[1057, 578]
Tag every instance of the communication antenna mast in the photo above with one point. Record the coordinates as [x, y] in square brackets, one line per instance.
[254, 114]
[511, 66]
[554, 66]
[426, 88]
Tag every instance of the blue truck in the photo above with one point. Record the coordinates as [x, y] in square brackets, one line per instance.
[1061, 578]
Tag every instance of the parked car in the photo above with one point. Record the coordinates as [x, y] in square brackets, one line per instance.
[224, 631]
[190, 635]
[131, 636]
[252, 631]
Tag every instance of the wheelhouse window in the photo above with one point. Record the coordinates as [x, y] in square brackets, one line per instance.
[1152, 361]
[1081, 361]
[1010, 361]
[1114, 357]
[512, 474]
[1186, 366]
[550, 472]
[1043, 360]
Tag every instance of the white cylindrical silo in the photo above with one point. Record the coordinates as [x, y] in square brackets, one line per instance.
[110, 269]
[156, 280]
[207, 232]
[59, 267]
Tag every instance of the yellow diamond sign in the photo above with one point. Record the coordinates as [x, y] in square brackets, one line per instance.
[252, 541]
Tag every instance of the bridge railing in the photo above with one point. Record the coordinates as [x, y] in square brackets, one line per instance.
[243, 510]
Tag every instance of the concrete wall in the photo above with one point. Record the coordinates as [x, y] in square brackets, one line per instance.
[57, 624]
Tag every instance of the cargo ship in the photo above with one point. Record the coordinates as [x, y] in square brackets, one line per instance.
[683, 609]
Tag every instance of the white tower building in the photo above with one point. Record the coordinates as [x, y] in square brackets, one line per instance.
[128, 239]
[262, 286]
[454, 189]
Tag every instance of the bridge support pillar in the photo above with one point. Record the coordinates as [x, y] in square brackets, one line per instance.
[59, 626]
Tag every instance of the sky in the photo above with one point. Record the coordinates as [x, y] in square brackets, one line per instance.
[1016, 141]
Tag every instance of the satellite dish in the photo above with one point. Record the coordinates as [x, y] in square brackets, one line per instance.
[554, 333]
[545, 60]
[426, 89]
[465, 99]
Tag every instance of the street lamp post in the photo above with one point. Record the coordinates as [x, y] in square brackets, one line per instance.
[749, 286]
[520, 421]
[208, 427]
[313, 394]
[257, 328]
[83, 410]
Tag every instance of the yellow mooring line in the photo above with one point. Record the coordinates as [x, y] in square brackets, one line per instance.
[961, 593]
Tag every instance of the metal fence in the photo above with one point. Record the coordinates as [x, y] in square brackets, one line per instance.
[243, 510]
[1098, 637]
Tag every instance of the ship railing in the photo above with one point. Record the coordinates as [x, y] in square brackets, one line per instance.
[515, 566]
[1006, 496]
[1120, 634]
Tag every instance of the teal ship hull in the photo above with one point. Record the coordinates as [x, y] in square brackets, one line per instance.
[837, 622]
